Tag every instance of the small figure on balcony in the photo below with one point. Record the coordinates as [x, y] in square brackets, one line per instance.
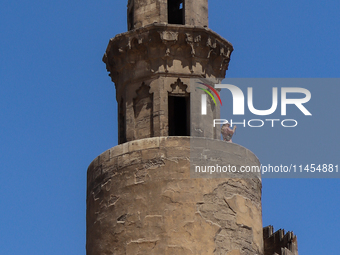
[227, 132]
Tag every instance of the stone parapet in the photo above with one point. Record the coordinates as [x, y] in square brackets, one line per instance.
[279, 243]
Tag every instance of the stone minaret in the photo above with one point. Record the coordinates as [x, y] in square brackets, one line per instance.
[141, 196]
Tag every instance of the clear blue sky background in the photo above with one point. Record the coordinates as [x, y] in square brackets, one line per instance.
[58, 112]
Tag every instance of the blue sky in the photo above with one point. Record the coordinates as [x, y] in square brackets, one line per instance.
[58, 112]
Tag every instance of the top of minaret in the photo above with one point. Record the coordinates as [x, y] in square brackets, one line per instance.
[157, 65]
[180, 12]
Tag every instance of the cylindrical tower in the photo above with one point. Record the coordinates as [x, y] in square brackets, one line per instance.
[141, 197]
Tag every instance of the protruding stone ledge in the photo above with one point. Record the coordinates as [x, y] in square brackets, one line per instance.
[165, 49]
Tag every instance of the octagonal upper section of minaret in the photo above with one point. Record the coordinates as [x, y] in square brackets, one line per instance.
[181, 12]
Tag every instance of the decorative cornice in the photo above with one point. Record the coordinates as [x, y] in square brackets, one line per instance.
[154, 48]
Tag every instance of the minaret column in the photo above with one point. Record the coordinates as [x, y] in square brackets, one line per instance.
[142, 198]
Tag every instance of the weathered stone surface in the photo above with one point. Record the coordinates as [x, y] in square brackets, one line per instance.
[164, 49]
[151, 63]
[156, 62]
[151, 205]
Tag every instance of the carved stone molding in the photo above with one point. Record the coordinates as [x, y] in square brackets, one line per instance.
[178, 88]
[169, 36]
[167, 49]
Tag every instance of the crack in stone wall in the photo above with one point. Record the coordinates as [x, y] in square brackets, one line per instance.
[229, 207]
